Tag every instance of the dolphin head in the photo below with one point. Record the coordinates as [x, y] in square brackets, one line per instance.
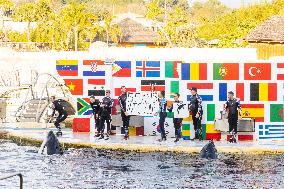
[209, 151]
[51, 144]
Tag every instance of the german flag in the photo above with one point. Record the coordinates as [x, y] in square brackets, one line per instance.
[263, 91]
[255, 111]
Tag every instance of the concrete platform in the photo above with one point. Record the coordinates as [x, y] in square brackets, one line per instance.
[35, 136]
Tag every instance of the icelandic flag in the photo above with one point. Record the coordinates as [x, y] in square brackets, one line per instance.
[147, 68]
[93, 68]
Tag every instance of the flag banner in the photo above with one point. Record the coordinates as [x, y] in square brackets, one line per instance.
[255, 111]
[121, 69]
[81, 125]
[226, 71]
[93, 68]
[75, 86]
[172, 69]
[257, 71]
[151, 127]
[280, 71]
[117, 91]
[174, 88]
[97, 84]
[210, 112]
[180, 110]
[237, 88]
[185, 130]
[271, 131]
[147, 68]
[67, 67]
[152, 85]
[83, 106]
[276, 112]
[263, 91]
[99, 93]
[194, 71]
[203, 90]
[209, 132]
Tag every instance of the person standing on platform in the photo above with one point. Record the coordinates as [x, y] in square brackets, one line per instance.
[232, 106]
[106, 107]
[95, 105]
[177, 121]
[124, 115]
[195, 107]
[62, 113]
[162, 114]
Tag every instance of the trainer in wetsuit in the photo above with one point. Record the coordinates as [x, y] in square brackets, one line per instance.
[231, 106]
[177, 121]
[124, 115]
[106, 107]
[195, 107]
[56, 106]
[95, 105]
[162, 114]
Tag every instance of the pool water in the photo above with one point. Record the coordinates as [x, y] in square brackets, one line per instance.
[90, 168]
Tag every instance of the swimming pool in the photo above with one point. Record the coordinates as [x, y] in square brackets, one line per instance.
[89, 168]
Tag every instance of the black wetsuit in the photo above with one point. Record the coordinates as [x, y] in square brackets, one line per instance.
[96, 112]
[177, 123]
[232, 106]
[125, 119]
[162, 115]
[62, 113]
[105, 112]
[195, 107]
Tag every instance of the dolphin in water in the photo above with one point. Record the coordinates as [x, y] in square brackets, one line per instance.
[50, 145]
[209, 151]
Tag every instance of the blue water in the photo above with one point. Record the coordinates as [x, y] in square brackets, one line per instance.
[89, 168]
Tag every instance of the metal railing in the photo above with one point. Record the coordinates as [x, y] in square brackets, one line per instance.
[12, 175]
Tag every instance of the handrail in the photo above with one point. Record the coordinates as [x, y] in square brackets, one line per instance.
[12, 175]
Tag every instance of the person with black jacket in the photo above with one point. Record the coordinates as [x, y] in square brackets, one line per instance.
[162, 114]
[232, 106]
[95, 105]
[124, 115]
[57, 106]
[195, 106]
[106, 107]
[177, 121]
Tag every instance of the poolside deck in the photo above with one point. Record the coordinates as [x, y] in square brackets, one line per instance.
[34, 136]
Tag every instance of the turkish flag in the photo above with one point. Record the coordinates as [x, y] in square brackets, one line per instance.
[257, 71]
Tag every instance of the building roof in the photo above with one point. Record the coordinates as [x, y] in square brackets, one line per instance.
[272, 30]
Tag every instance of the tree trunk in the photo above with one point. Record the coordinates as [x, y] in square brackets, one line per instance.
[29, 31]
[76, 36]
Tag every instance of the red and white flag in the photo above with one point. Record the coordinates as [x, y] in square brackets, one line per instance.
[257, 71]
[280, 71]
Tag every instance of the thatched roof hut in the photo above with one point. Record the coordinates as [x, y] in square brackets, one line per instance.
[271, 31]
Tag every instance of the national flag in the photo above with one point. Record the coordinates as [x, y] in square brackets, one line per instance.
[96, 93]
[194, 71]
[185, 131]
[152, 85]
[67, 67]
[276, 112]
[209, 132]
[96, 84]
[263, 91]
[271, 131]
[147, 68]
[255, 111]
[280, 71]
[257, 71]
[117, 91]
[75, 86]
[172, 69]
[174, 88]
[204, 90]
[81, 125]
[237, 88]
[210, 112]
[121, 69]
[93, 68]
[83, 106]
[226, 71]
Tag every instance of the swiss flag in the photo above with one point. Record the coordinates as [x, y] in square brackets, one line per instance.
[257, 71]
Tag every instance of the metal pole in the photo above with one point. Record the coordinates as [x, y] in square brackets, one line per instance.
[12, 175]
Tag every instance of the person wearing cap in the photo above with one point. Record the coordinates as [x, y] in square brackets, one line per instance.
[195, 106]
[177, 121]
[105, 112]
[95, 105]
[232, 106]
[124, 115]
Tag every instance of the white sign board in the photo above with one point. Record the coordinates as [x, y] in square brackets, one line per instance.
[180, 110]
[142, 103]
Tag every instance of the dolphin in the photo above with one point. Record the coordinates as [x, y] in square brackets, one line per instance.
[50, 145]
[209, 151]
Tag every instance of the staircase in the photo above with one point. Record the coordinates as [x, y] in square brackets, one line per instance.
[31, 108]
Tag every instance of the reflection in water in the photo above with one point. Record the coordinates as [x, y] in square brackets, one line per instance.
[89, 168]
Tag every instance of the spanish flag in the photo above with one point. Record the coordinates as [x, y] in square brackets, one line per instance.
[255, 111]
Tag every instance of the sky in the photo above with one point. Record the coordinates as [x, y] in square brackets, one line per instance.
[234, 3]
